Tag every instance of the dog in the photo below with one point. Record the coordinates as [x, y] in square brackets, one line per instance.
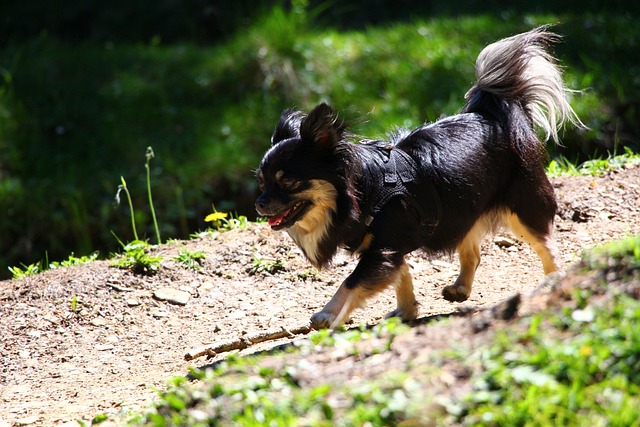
[441, 187]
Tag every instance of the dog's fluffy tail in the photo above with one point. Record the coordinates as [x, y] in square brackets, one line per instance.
[521, 69]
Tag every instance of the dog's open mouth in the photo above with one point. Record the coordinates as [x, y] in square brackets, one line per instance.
[288, 217]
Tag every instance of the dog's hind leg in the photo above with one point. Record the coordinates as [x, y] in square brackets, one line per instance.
[541, 241]
[469, 253]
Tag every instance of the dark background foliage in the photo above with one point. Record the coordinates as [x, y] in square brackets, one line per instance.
[86, 86]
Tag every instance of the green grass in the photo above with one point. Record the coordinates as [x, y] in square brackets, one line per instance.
[580, 366]
[576, 366]
[39, 267]
[562, 166]
[208, 110]
[243, 392]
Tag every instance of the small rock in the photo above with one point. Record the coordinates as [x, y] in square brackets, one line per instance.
[104, 347]
[159, 314]
[113, 339]
[205, 287]
[238, 314]
[27, 421]
[172, 296]
[50, 319]
[132, 302]
[504, 242]
[186, 289]
[98, 321]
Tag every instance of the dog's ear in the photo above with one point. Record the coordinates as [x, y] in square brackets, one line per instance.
[288, 126]
[322, 127]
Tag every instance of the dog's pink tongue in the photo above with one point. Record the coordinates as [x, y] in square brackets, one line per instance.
[276, 219]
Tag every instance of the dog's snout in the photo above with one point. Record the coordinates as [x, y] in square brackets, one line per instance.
[261, 203]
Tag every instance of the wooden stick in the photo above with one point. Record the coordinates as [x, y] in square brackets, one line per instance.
[245, 342]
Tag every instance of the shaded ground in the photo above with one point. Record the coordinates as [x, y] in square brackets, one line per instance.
[108, 352]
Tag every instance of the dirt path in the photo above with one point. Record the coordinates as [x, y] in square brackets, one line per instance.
[108, 352]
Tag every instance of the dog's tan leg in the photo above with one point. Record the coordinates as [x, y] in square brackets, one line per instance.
[469, 253]
[376, 270]
[407, 307]
[339, 307]
[544, 246]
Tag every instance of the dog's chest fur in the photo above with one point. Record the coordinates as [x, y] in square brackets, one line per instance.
[310, 232]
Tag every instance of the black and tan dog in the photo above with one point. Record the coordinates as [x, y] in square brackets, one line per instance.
[440, 187]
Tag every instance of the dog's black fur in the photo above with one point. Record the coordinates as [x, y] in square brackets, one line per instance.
[440, 187]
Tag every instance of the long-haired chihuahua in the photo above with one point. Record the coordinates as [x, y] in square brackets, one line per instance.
[440, 187]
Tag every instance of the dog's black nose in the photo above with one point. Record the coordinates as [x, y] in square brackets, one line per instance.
[261, 203]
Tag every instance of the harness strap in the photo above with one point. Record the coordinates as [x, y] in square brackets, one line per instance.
[400, 173]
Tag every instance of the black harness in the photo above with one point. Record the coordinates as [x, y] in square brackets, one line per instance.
[394, 173]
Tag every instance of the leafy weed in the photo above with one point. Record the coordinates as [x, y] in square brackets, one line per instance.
[190, 259]
[137, 258]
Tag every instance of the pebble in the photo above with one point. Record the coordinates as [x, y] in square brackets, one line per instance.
[104, 347]
[172, 296]
[27, 421]
[132, 302]
[504, 242]
[206, 287]
[159, 314]
[98, 321]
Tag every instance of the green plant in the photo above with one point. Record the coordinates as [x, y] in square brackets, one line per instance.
[74, 304]
[561, 166]
[98, 419]
[263, 265]
[150, 155]
[137, 258]
[26, 270]
[307, 274]
[190, 259]
[123, 187]
[234, 222]
[624, 253]
[44, 265]
[72, 260]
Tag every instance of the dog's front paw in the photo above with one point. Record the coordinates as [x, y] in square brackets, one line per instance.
[407, 315]
[456, 293]
[322, 320]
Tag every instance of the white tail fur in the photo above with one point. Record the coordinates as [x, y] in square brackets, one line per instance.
[522, 68]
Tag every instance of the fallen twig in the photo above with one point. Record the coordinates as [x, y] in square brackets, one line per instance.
[245, 342]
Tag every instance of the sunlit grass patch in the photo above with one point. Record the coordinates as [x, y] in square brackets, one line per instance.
[561, 166]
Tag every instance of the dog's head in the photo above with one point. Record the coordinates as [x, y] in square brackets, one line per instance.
[299, 175]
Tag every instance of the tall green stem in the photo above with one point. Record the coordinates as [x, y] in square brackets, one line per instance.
[150, 156]
[123, 186]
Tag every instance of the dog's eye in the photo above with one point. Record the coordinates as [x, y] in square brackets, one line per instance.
[261, 184]
[288, 182]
